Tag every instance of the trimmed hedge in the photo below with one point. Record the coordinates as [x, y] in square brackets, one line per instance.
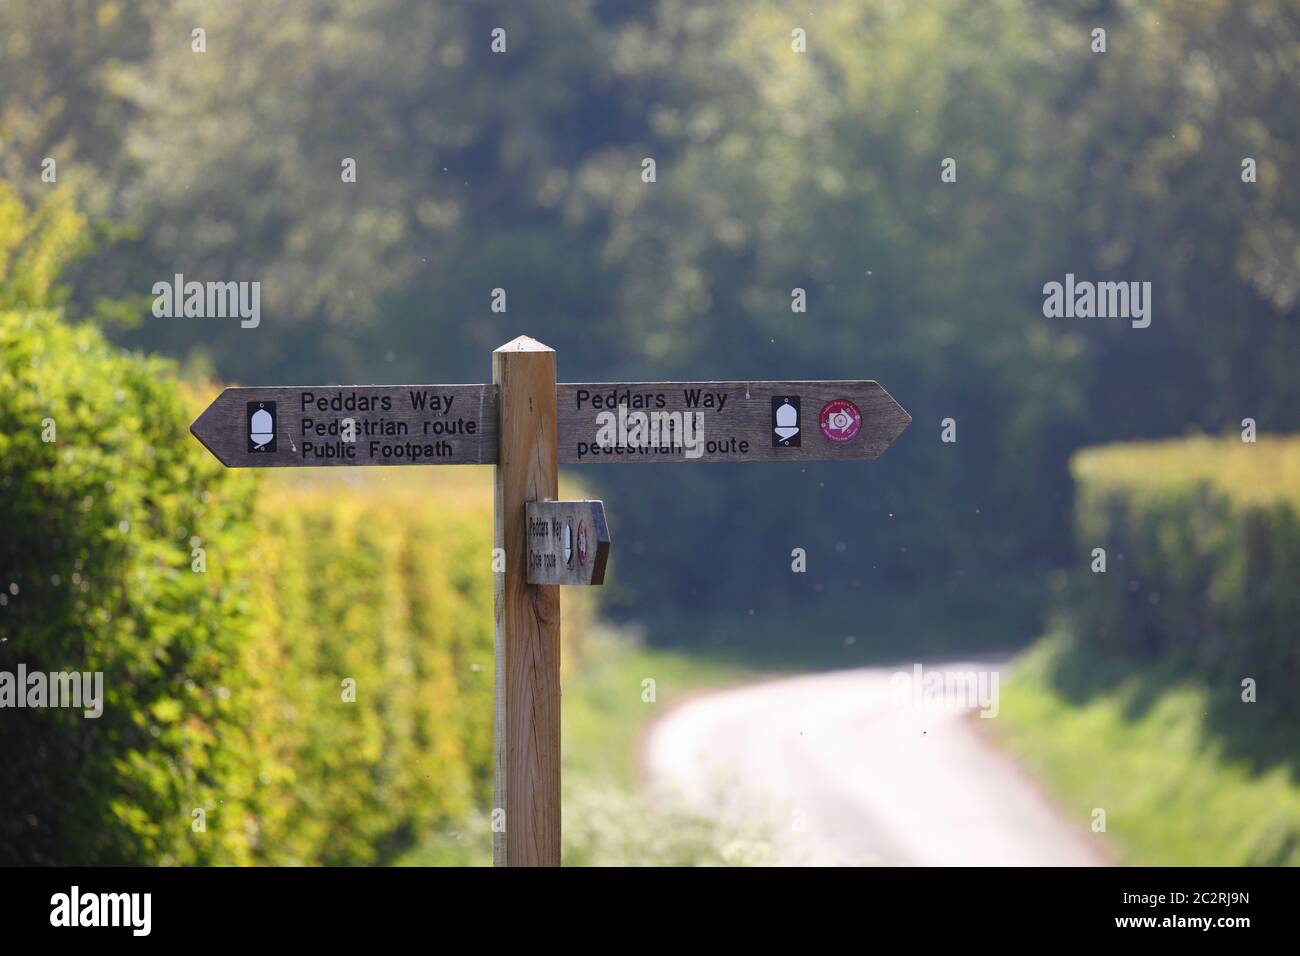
[224, 688]
[1202, 538]
[95, 556]
[386, 584]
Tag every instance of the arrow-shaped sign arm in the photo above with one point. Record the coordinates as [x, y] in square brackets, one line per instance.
[891, 418]
[207, 428]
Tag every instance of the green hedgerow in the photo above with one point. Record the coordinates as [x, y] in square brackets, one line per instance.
[104, 501]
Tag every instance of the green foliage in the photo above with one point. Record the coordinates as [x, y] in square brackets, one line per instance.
[608, 826]
[1202, 539]
[1140, 705]
[96, 555]
[223, 688]
[821, 171]
[607, 821]
[58, 97]
[307, 663]
[1158, 130]
[1148, 751]
[776, 170]
[463, 157]
[35, 248]
[389, 588]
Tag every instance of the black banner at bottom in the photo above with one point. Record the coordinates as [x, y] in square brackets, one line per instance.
[336, 906]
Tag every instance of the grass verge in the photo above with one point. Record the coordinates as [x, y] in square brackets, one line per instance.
[1139, 746]
[608, 820]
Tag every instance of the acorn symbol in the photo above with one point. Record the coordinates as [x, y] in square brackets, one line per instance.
[261, 428]
[786, 419]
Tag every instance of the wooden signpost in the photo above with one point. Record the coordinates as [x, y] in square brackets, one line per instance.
[726, 421]
[351, 425]
[527, 425]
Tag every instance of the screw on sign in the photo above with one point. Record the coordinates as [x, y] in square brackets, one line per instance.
[526, 424]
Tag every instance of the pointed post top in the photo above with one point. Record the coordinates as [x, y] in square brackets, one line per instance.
[525, 344]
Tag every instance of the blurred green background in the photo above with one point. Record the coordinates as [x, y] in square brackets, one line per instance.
[775, 171]
[521, 171]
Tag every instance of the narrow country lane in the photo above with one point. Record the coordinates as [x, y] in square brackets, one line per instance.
[846, 772]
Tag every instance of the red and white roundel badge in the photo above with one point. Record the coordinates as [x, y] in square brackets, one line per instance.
[840, 420]
[582, 542]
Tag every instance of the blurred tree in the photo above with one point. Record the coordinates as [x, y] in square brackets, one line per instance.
[57, 94]
[35, 247]
[822, 171]
[776, 170]
[462, 157]
[1155, 141]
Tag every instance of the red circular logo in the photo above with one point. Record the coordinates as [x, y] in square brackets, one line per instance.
[840, 420]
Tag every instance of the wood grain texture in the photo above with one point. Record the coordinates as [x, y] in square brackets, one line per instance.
[735, 421]
[458, 423]
[526, 726]
[393, 425]
[568, 542]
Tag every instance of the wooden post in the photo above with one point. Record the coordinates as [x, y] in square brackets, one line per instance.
[526, 709]
[514, 424]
